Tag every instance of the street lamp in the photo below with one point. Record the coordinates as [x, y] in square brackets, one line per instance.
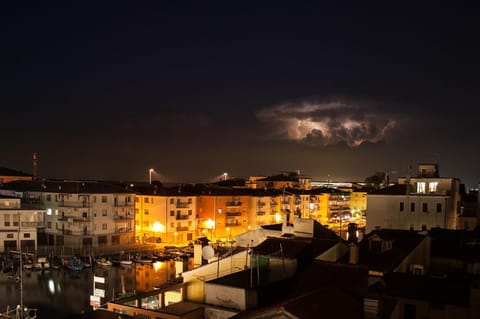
[150, 171]
[225, 176]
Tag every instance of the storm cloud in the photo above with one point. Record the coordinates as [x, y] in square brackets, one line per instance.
[327, 123]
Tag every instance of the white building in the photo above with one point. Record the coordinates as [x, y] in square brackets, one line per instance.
[79, 214]
[417, 203]
[18, 226]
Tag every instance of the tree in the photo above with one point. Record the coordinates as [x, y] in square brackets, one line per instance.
[375, 180]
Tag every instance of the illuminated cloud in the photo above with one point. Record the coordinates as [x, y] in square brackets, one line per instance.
[326, 123]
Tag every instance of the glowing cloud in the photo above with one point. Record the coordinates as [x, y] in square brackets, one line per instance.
[326, 123]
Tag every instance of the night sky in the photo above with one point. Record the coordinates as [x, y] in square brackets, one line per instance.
[109, 89]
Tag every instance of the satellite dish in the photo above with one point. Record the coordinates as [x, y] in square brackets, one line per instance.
[208, 252]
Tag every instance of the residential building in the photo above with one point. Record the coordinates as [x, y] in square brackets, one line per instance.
[18, 226]
[165, 215]
[283, 180]
[79, 214]
[418, 203]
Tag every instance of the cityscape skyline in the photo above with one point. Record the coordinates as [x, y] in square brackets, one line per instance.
[338, 92]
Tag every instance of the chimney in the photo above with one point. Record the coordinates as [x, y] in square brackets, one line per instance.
[353, 251]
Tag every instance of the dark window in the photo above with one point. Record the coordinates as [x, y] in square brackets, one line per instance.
[412, 207]
[26, 235]
[425, 207]
[172, 213]
[402, 206]
[439, 207]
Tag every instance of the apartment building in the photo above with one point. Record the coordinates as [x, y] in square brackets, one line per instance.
[166, 216]
[79, 214]
[419, 203]
[18, 226]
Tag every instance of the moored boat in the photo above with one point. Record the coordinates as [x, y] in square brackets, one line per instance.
[72, 263]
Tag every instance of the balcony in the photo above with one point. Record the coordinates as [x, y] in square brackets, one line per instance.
[122, 217]
[182, 228]
[82, 204]
[183, 204]
[123, 204]
[261, 213]
[234, 203]
[261, 204]
[123, 230]
[232, 223]
[182, 217]
[67, 218]
[233, 213]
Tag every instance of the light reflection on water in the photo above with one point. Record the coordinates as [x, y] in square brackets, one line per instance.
[62, 293]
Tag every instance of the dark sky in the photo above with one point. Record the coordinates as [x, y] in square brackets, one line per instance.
[108, 90]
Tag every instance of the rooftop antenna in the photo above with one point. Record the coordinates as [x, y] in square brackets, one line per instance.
[35, 165]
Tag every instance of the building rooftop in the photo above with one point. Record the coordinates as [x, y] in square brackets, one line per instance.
[402, 243]
[442, 291]
[67, 186]
[5, 171]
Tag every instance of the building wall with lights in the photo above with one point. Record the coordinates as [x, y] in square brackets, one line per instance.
[223, 216]
[79, 214]
[418, 203]
[166, 219]
[18, 227]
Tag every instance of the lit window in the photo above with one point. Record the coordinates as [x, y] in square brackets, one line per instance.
[433, 187]
[49, 211]
[421, 187]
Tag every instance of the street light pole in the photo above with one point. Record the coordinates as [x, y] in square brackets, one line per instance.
[150, 171]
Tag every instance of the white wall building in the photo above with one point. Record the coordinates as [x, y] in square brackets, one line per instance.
[417, 203]
[79, 214]
[18, 227]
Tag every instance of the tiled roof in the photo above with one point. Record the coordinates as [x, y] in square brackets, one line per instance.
[403, 242]
[455, 244]
[452, 290]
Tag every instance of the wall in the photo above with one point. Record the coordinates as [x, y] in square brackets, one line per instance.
[196, 277]
[225, 296]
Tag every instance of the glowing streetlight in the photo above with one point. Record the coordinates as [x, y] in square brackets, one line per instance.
[150, 171]
[225, 176]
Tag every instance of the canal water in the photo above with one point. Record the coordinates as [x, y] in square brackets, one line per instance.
[60, 293]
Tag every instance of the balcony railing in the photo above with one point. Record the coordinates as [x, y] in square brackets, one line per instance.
[82, 204]
[261, 213]
[182, 228]
[261, 204]
[183, 204]
[122, 217]
[232, 223]
[233, 213]
[234, 203]
[182, 217]
[74, 218]
[123, 204]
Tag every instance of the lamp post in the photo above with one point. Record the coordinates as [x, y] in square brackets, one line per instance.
[225, 175]
[150, 171]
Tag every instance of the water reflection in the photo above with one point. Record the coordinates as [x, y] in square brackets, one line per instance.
[62, 293]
